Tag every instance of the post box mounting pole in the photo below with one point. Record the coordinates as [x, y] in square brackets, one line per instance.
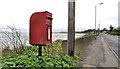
[39, 50]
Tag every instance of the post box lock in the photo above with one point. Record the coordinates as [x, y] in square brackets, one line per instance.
[40, 28]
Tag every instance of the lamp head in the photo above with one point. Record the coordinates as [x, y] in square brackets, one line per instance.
[100, 3]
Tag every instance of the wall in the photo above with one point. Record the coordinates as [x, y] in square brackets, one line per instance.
[80, 43]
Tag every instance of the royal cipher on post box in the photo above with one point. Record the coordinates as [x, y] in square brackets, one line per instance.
[40, 32]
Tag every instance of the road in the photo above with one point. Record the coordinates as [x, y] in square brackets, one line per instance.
[113, 42]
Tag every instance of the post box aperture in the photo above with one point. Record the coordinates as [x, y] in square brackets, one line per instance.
[40, 32]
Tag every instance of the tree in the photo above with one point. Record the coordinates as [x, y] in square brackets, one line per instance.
[104, 29]
[111, 28]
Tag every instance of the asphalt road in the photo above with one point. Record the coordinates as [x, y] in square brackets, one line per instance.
[113, 42]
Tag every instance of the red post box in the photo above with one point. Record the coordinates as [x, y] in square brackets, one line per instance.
[40, 32]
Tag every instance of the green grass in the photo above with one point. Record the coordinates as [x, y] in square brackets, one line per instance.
[87, 35]
[114, 32]
[53, 49]
[80, 53]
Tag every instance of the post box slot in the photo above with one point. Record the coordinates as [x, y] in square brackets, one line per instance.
[49, 18]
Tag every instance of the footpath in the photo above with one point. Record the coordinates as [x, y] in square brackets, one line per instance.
[98, 54]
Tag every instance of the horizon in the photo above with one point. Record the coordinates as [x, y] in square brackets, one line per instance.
[4, 27]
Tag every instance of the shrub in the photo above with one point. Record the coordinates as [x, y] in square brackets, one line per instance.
[30, 58]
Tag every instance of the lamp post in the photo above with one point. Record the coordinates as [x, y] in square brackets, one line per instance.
[96, 16]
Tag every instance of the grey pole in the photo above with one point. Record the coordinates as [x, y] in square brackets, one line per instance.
[96, 16]
[95, 19]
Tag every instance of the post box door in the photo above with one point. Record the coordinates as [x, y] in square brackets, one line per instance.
[49, 28]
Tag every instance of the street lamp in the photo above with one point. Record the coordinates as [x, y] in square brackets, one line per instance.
[96, 16]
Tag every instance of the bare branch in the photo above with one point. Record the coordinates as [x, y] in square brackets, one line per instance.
[13, 37]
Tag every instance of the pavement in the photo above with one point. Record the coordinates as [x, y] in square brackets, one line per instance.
[98, 54]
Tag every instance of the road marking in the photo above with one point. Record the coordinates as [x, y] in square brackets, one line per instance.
[87, 65]
[112, 50]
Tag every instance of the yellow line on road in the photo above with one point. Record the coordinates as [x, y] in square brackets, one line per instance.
[87, 65]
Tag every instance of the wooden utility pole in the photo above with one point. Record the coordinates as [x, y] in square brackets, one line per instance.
[71, 28]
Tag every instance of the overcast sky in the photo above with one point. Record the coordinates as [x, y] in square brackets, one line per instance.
[18, 12]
